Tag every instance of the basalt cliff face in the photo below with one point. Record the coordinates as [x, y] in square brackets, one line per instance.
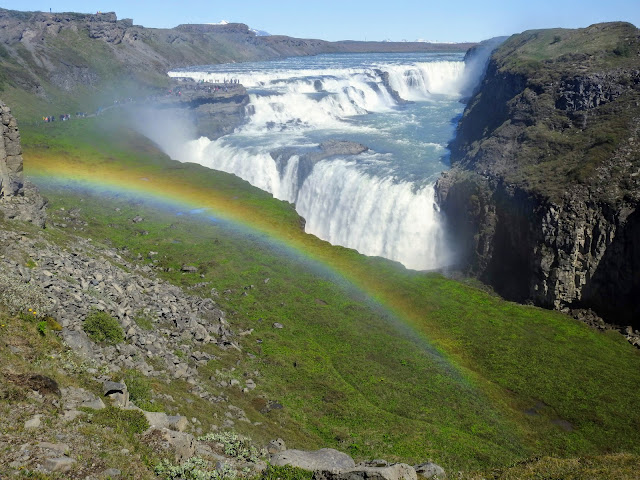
[18, 200]
[543, 196]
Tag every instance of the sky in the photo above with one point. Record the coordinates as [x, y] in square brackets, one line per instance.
[397, 20]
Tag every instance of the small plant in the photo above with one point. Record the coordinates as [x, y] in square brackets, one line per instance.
[139, 389]
[143, 320]
[194, 468]
[234, 445]
[122, 421]
[42, 328]
[102, 327]
[53, 323]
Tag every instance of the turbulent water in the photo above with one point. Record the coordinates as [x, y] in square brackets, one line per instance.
[380, 202]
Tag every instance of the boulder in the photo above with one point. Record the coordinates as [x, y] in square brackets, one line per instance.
[117, 393]
[161, 420]
[276, 446]
[396, 471]
[323, 459]
[60, 464]
[78, 342]
[33, 423]
[184, 444]
[429, 470]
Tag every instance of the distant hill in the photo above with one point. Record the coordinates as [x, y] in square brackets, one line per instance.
[74, 57]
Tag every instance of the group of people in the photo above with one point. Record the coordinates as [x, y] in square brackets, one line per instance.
[63, 118]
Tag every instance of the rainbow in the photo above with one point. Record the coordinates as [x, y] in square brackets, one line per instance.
[343, 266]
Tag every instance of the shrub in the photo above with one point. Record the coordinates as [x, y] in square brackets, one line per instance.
[122, 421]
[193, 469]
[102, 327]
[234, 445]
[139, 388]
[42, 328]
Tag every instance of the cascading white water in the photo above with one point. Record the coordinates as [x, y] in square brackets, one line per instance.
[380, 202]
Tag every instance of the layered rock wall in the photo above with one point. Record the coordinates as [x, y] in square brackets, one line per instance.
[11, 180]
[543, 200]
[18, 200]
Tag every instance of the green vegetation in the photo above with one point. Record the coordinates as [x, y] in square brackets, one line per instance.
[121, 421]
[102, 327]
[194, 468]
[559, 110]
[286, 472]
[441, 371]
[234, 445]
[42, 328]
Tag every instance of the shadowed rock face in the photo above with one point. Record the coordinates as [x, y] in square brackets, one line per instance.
[17, 200]
[543, 198]
[11, 180]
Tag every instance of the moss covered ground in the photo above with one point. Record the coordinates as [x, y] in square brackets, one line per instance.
[373, 359]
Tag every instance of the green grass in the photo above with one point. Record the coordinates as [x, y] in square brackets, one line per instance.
[446, 373]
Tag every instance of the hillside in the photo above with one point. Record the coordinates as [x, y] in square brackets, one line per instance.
[204, 299]
[543, 196]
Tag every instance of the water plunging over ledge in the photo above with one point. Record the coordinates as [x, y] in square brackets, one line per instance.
[379, 201]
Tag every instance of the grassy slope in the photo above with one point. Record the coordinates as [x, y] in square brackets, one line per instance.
[453, 387]
[553, 143]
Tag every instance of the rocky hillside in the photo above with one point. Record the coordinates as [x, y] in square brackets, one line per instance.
[543, 195]
[53, 54]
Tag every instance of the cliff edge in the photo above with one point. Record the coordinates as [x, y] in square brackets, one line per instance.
[18, 200]
[543, 194]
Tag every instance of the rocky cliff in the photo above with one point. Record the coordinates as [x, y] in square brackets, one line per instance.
[11, 180]
[543, 194]
[17, 199]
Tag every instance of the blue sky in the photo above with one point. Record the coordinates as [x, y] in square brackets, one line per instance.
[448, 20]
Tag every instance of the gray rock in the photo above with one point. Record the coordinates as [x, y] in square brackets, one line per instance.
[33, 423]
[323, 459]
[60, 464]
[79, 342]
[429, 470]
[59, 448]
[278, 325]
[117, 393]
[111, 473]
[276, 446]
[161, 420]
[184, 444]
[397, 471]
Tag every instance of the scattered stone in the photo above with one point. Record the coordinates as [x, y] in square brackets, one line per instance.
[117, 393]
[111, 473]
[323, 459]
[33, 423]
[184, 444]
[161, 420]
[278, 325]
[276, 446]
[60, 464]
[59, 448]
[397, 471]
[188, 269]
